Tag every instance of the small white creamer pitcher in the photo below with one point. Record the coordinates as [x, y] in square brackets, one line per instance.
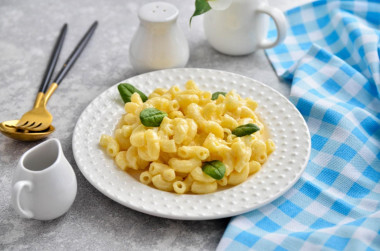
[242, 27]
[44, 185]
[158, 43]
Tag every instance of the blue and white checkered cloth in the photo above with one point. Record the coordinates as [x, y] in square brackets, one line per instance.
[331, 57]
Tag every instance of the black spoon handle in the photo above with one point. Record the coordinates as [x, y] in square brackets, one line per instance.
[75, 54]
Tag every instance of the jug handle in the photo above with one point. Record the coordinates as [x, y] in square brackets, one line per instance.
[281, 25]
[17, 189]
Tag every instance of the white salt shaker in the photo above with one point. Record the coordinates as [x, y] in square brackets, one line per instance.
[158, 43]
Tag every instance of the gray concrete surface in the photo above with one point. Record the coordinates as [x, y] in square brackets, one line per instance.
[28, 30]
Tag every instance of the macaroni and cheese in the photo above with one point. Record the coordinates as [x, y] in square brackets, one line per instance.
[194, 127]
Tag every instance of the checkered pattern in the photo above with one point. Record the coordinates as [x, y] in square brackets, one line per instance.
[331, 57]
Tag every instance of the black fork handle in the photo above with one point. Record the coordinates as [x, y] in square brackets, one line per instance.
[53, 60]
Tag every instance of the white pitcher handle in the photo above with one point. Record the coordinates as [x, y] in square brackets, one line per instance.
[281, 25]
[17, 189]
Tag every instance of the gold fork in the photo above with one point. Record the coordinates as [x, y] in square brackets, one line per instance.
[39, 113]
[39, 119]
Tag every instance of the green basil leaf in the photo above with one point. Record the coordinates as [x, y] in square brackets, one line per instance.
[152, 117]
[215, 169]
[126, 90]
[246, 129]
[201, 6]
[215, 95]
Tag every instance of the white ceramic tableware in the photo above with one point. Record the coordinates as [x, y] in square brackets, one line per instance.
[242, 27]
[44, 185]
[158, 43]
[284, 167]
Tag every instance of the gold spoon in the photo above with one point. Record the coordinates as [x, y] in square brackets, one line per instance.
[9, 129]
[12, 128]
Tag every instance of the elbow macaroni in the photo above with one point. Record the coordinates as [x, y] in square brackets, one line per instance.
[197, 129]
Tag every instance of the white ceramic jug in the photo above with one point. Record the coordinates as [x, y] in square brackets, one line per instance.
[242, 27]
[158, 43]
[44, 185]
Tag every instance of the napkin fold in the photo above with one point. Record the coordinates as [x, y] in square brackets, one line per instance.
[331, 58]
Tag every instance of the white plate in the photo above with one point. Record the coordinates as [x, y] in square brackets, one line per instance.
[284, 167]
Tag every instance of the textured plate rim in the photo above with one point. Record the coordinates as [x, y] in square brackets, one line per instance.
[149, 211]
